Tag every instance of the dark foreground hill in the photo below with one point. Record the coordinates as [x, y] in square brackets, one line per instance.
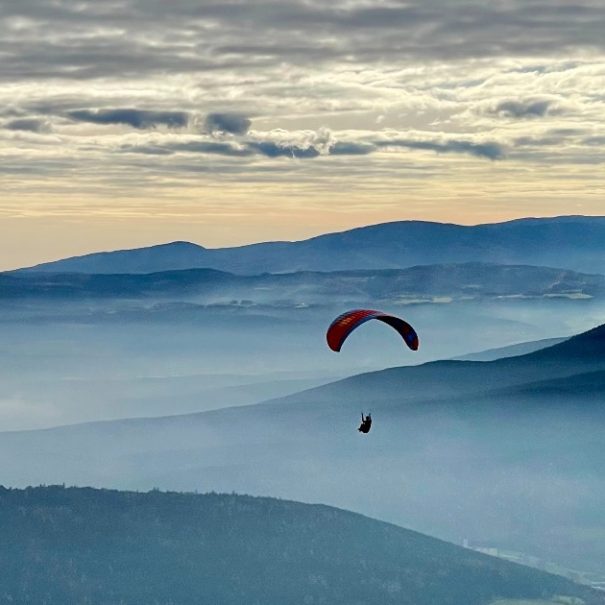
[105, 547]
[573, 242]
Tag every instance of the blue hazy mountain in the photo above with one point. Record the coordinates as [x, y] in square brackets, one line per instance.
[521, 348]
[507, 453]
[573, 242]
[171, 256]
[106, 547]
[81, 347]
[425, 283]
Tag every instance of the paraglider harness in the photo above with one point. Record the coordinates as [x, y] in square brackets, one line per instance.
[366, 423]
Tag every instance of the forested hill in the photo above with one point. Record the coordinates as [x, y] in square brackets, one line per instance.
[81, 545]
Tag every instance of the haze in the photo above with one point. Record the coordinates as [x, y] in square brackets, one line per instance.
[190, 193]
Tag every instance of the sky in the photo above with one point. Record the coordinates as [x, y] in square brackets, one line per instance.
[133, 122]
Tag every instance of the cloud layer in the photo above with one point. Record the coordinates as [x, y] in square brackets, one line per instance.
[137, 118]
[87, 40]
[373, 100]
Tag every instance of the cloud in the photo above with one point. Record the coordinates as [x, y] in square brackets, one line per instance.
[201, 146]
[208, 85]
[231, 123]
[554, 137]
[351, 148]
[311, 145]
[536, 108]
[271, 149]
[597, 141]
[489, 150]
[29, 125]
[147, 149]
[137, 118]
[41, 41]
[213, 147]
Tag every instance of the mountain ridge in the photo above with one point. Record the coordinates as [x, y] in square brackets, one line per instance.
[463, 280]
[573, 242]
[512, 350]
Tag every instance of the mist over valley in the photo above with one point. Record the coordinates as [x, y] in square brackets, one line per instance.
[512, 444]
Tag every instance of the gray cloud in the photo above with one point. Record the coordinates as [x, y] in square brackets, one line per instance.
[350, 148]
[137, 118]
[595, 141]
[205, 147]
[29, 125]
[539, 141]
[279, 149]
[554, 137]
[232, 123]
[523, 109]
[269, 149]
[489, 150]
[212, 147]
[95, 42]
[149, 149]
[275, 150]
[382, 75]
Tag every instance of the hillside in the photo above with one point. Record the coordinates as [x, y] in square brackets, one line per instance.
[492, 439]
[107, 547]
[521, 348]
[574, 242]
[398, 386]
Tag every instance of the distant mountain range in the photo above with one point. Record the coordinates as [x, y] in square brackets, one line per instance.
[79, 347]
[507, 452]
[521, 348]
[106, 547]
[572, 242]
[426, 283]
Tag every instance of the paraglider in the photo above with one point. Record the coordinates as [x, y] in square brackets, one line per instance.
[344, 324]
[366, 423]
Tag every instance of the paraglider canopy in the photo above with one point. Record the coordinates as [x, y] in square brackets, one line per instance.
[344, 324]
